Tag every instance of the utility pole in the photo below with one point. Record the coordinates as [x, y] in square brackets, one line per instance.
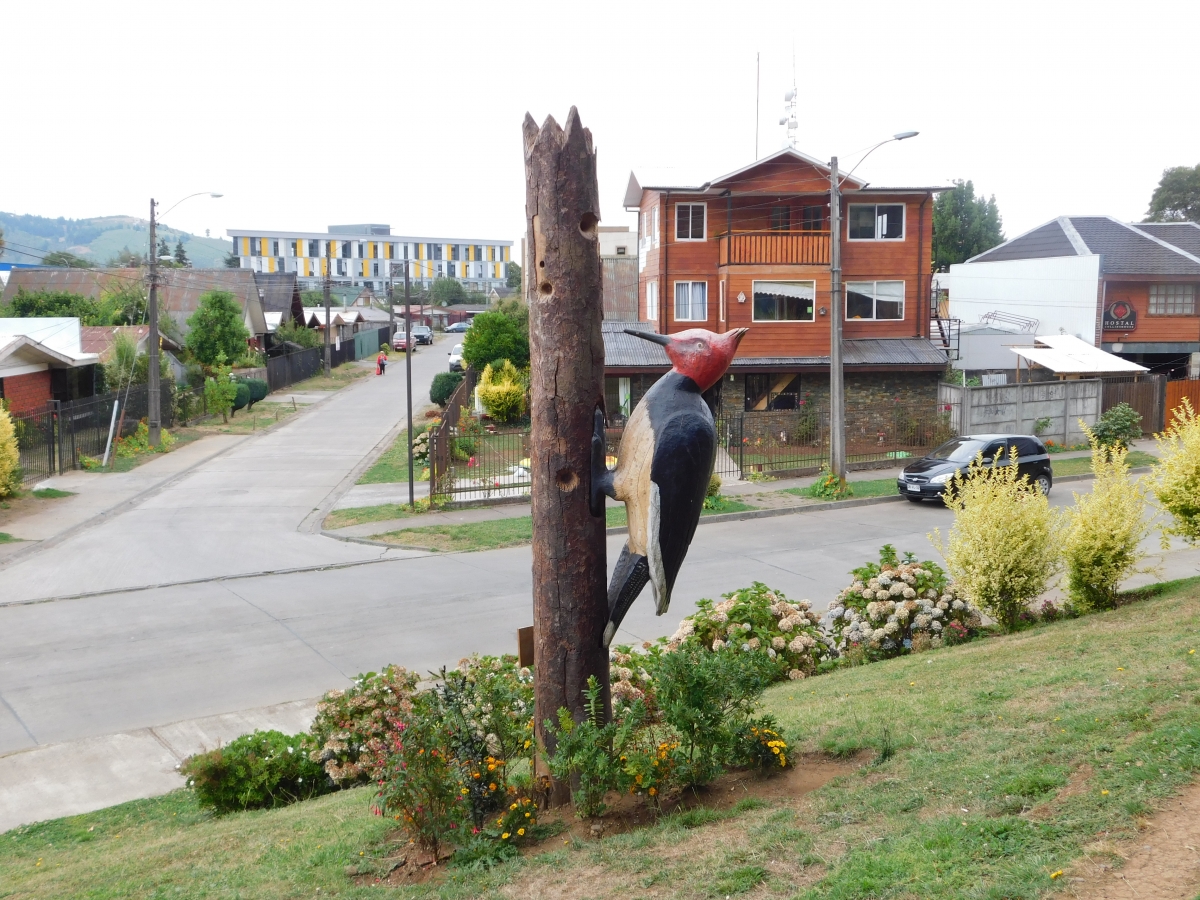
[327, 317]
[837, 383]
[153, 396]
[412, 501]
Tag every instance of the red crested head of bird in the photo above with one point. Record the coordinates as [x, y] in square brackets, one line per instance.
[701, 355]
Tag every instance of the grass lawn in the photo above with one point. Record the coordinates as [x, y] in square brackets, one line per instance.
[1082, 465]
[392, 466]
[987, 769]
[339, 377]
[26, 503]
[6, 538]
[359, 515]
[51, 494]
[876, 487]
[489, 535]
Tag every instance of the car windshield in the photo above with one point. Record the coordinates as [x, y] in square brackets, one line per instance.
[961, 449]
[458, 349]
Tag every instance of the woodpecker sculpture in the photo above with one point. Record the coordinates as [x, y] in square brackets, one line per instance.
[663, 466]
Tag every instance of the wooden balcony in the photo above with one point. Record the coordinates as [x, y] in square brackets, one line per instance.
[781, 248]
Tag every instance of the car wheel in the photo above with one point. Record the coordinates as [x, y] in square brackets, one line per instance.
[911, 499]
[1043, 484]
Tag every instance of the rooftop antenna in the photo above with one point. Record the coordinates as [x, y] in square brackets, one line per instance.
[788, 119]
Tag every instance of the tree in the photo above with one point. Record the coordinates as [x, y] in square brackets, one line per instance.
[10, 456]
[163, 248]
[516, 309]
[232, 261]
[30, 304]
[313, 298]
[964, 225]
[216, 329]
[493, 337]
[514, 275]
[125, 259]
[66, 260]
[181, 256]
[125, 305]
[1177, 197]
[447, 292]
[1, 241]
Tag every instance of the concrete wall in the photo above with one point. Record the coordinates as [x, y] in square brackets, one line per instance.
[1059, 292]
[1017, 407]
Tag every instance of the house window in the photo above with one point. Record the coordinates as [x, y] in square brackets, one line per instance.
[652, 301]
[691, 301]
[771, 391]
[875, 300]
[274, 248]
[375, 269]
[781, 218]
[312, 248]
[689, 221]
[784, 301]
[875, 222]
[812, 218]
[1172, 299]
[620, 251]
[654, 234]
[437, 251]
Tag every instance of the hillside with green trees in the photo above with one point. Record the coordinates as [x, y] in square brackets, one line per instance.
[100, 241]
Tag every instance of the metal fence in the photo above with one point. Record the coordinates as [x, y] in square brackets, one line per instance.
[292, 367]
[471, 464]
[56, 439]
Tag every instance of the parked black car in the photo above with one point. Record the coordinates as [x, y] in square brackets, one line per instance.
[422, 334]
[458, 328]
[926, 478]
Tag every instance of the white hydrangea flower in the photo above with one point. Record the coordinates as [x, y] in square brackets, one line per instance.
[718, 644]
[778, 642]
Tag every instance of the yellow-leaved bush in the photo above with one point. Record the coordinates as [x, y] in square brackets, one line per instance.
[502, 391]
[10, 459]
[1176, 479]
[1002, 550]
[1103, 531]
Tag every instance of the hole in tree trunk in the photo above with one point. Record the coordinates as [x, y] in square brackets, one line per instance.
[587, 226]
[567, 480]
[546, 289]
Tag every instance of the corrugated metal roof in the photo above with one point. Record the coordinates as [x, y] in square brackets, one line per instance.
[1048, 240]
[1067, 354]
[624, 351]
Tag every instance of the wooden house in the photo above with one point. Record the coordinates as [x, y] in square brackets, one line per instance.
[752, 249]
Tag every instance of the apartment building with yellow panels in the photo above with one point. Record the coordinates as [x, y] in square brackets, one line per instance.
[365, 255]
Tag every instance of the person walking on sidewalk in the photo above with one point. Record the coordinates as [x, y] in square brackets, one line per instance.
[381, 363]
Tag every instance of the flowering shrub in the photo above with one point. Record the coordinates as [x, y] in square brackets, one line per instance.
[1104, 530]
[517, 824]
[649, 766]
[1003, 549]
[762, 747]
[761, 621]
[420, 448]
[351, 725]
[829, 487]
[587, 753]
[418, 781]
[502, 391]
[890, 605]
[255, 771]
[139, 442]
[10, 457]
[1176, 479]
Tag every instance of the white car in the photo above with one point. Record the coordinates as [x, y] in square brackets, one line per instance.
[456, 364]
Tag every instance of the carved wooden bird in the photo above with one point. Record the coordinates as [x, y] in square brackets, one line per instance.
[663, 467]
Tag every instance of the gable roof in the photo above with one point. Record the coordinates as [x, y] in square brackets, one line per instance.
[280, 292]
[1123, 248]
[99, 339]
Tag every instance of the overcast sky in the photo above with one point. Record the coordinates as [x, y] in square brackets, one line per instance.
[309, 114]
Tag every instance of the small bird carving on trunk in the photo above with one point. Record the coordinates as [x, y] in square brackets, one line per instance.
[663, 466]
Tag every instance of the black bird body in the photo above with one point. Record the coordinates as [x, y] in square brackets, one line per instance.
[664, 463]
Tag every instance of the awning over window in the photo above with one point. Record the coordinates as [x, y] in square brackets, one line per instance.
[805, 290]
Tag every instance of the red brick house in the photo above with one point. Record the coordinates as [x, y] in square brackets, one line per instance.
[42, 359]
[752, 249]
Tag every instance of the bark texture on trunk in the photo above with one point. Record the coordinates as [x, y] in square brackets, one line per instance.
[570, 606]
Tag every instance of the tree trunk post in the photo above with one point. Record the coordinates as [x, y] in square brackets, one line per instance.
[570, 601]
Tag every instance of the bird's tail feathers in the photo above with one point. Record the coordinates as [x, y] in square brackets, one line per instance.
[629, 577]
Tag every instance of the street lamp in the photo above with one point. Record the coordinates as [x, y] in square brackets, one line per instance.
[837, 375]
[153, 396]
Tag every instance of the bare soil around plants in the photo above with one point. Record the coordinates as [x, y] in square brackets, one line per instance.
[1161, 863]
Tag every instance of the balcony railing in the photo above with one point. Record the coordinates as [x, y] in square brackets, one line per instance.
[789, 248]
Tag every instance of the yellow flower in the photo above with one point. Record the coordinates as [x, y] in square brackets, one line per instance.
[1120, 668]
[653, 791]
[1057, 874]
[527, 743]
[504, 837]
[514, 806]
[521, 832]
[912, 684]
[465, 791]
[527, 815]
[1104, 793]
[491, 767]
[492, 786]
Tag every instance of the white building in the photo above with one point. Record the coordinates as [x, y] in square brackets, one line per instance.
[363, 255]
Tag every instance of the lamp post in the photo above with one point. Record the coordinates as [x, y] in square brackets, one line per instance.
[837, 374]
[153, 389]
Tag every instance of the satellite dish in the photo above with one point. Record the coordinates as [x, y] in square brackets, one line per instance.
[789, 95]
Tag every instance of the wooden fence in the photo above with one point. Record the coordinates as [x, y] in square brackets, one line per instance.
[1177, 392]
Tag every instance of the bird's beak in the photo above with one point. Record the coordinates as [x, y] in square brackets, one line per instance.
[663, 339]
[739, 333]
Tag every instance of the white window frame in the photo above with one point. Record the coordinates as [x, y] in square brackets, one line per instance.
[703, 225]
[903, 223]
[721, 308]
[1172, 292]
[754, 287]
[691, 301]
[651, 301]
[654, 233]
[875, 300]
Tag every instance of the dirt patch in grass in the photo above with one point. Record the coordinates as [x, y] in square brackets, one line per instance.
[27, 503]
[1160, 863]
